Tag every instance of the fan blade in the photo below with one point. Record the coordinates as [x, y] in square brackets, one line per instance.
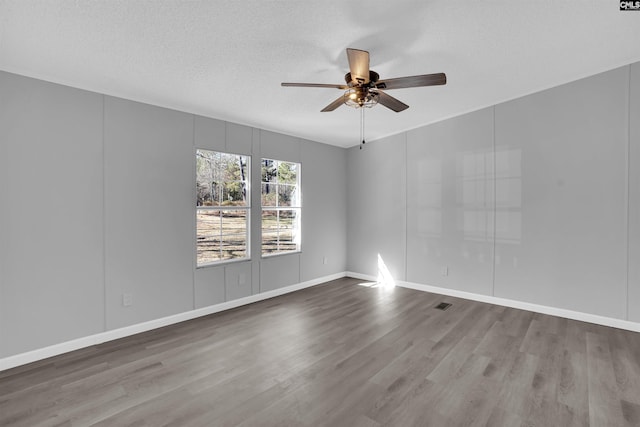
[413, 81]
[335, 104]
[359, 65]
[343, 87]
[390, 102]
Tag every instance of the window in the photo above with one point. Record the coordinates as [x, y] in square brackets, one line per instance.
[281, 207]
[222, 207]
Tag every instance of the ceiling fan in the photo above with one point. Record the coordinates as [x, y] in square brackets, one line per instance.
[363, 88]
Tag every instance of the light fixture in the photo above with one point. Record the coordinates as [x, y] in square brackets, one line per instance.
[359, 98]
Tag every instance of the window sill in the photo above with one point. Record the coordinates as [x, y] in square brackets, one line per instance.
[280, 254]
[222, 263]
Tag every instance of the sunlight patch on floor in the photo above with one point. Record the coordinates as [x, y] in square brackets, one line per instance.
[369, 284]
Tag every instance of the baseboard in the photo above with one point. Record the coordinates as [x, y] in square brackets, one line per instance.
[76, 344]
[553, 311]
[361, 276]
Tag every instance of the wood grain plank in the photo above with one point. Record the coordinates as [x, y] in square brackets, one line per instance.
[605, 408]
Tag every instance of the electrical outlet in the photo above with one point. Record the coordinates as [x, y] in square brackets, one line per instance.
[445, 271]
[127, 300]
[242, 279]
[325, 260]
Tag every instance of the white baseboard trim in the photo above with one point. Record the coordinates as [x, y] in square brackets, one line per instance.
[361, 276]
[76, 344]
[553, 311]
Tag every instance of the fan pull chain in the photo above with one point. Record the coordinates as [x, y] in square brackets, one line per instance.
[361, 127]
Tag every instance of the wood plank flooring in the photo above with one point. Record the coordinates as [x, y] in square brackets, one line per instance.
[341, 354]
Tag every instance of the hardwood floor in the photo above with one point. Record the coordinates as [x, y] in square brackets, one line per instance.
[340, 354]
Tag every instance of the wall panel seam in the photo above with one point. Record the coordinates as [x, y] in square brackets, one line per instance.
[406, 205]
[104, 218]
[495, 205]
[194, 201]
[628, 183]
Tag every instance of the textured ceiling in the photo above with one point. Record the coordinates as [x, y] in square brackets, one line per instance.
[226, 59]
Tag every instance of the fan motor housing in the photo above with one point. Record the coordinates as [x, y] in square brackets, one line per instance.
[373, 77]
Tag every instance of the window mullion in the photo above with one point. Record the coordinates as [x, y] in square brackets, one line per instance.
[220, 236]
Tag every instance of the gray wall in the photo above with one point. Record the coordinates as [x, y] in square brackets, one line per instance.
[533, 200]
[51, 229]
[376, 207]
[323, 206]
[634, 195]
[98, 200]
[149, 209]
[450, 203]
[561, 192]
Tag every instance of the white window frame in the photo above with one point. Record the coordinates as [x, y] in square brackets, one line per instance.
[297, 231]
[223, 208]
